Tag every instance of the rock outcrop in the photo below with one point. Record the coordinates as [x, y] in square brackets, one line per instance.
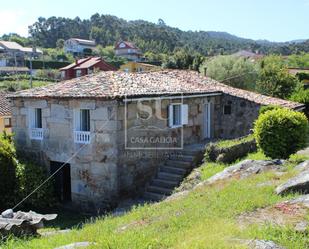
[299, 183]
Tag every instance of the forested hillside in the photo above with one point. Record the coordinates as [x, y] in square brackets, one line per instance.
[150, 37]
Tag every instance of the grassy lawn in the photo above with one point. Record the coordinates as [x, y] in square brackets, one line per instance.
[206, 218]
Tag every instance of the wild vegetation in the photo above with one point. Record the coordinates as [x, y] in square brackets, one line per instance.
[18, 178]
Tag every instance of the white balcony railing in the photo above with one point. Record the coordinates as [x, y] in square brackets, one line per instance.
[36, 133]
[82, 137]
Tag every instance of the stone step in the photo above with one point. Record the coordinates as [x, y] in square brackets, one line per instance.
[173, 170]
[169, 176]
[153, 196]
[178, 164]
[159, 190]
[190, 152]
[164, 183]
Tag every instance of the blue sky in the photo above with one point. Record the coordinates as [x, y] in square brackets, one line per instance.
[275, 20]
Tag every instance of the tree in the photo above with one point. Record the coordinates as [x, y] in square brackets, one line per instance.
[274, 78]
[60, 43]
[231, 70]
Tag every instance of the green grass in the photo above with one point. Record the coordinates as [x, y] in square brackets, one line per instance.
[22, 84]
[206, 218]
[232, 142]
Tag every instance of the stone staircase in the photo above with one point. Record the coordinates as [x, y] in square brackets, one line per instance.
[173, 171]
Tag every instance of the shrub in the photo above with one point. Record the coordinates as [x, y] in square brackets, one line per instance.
[30, 176]
[8, 180]
[266, 108]
[281, 132]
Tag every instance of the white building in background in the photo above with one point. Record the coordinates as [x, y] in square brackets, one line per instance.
[77, 46]
[13, 54]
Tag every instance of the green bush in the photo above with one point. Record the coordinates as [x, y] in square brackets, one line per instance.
[281, 132]
[266, 108]
[8, 180]
[30, 176]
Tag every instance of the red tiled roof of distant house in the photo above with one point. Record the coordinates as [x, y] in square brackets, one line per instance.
[119, 84]
[76, 63]
[5, 107]
[93, 61]
[128, 45]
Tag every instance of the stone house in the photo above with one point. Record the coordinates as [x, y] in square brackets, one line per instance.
[112, 129]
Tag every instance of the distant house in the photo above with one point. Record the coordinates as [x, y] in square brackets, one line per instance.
[78, 46]
[5, 113]
[133, 66]
[128, 50]
[248, 55]
[85, 66]
[13, 55]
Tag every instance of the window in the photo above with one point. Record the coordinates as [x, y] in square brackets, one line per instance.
[78, 73]
[178, 115]
[7, 123]
[62, 74]
[82, 126]
[90, 71]
[36, 118]
[227, 110]
[84, 120]
[36, 128]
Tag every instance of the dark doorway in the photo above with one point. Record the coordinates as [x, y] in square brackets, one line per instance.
[62, 180]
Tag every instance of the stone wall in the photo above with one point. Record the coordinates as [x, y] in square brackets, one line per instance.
[240, 121]
[94, 180]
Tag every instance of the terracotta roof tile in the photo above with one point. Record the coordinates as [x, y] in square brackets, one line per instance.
[120, 84]
[5, 107]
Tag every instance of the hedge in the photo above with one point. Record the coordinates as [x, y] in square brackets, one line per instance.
[40, 64]
[228, 151]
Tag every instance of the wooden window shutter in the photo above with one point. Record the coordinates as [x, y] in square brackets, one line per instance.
[184, 114]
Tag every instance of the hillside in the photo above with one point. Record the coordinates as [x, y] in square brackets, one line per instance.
[151, 37]
[208, 217]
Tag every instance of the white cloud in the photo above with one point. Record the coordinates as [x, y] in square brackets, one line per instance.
[14, 21]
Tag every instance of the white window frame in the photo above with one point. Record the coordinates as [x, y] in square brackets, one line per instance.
[81, 136]
[183, 115]
[36, 132]
[9, 120]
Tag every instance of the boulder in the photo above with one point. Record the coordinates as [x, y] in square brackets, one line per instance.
[263, 244]
[245, 169]
[304, 166]
[299, 183]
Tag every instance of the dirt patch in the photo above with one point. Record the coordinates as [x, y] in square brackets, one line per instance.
[281, 214]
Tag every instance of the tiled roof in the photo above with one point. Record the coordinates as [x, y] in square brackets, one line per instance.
[127, 45]
[84, 41]
[119, 84]
[74, 64]
[11, 45]
[5, 107]
[93, 61]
